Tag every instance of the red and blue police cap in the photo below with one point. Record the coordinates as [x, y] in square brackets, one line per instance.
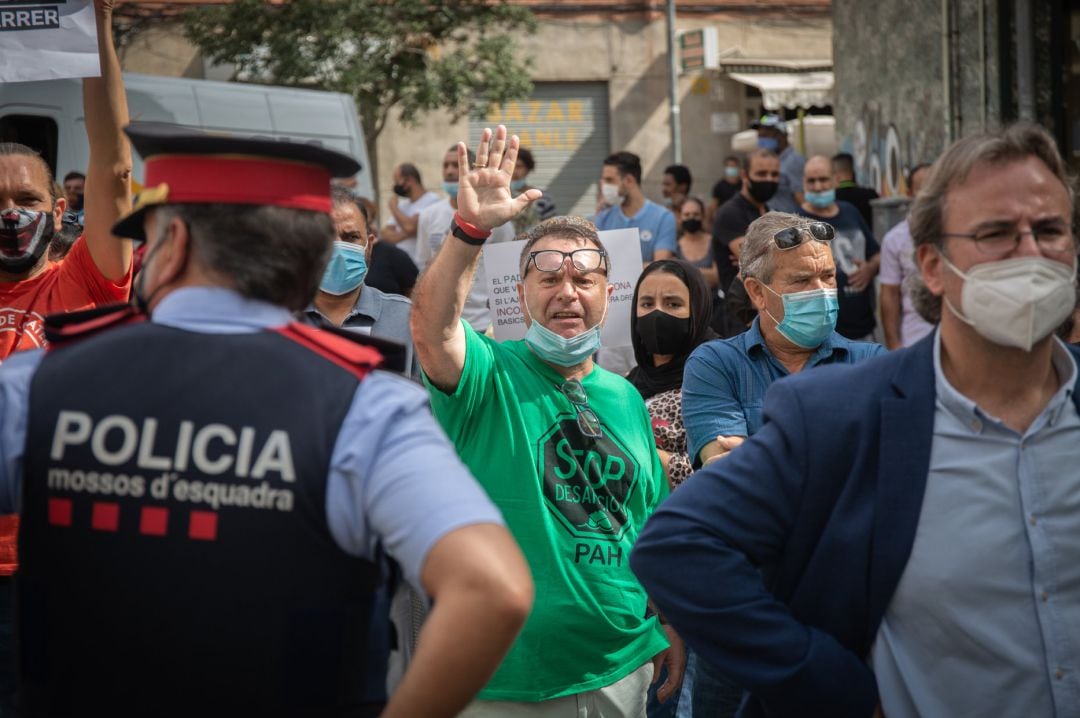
[188, 166]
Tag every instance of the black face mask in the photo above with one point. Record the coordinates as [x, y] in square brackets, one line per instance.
[401, 190]
[139, 298]
[77, 205]
[662, 333]
[25, 235]
[691, 226]
[763, 191]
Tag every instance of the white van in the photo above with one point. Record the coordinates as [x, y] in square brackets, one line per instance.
[48, 116]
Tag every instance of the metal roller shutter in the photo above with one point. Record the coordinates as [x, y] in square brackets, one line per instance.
[565, 125]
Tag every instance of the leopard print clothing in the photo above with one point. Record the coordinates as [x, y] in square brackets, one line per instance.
[665, 409]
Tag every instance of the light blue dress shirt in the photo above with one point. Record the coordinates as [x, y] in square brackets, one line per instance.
[655, 225]
[394, 477]
[986, 618]
[792, 165]
[378, 314]
[725, 381]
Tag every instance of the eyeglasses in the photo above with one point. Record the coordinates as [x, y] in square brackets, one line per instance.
[791, 237]
[587, 420]
[999, 241]
[552, 260]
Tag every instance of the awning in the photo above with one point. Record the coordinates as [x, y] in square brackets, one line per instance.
[789, 89]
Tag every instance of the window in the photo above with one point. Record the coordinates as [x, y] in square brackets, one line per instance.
[39, 133]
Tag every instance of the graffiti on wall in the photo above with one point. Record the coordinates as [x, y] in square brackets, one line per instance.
[882, 160]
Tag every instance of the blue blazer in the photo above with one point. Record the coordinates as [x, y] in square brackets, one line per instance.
[776, 564]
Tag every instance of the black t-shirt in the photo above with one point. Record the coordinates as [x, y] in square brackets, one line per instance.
[730, 222]
[853, 241]
[860, 197]
[392, 270]
[722, 191]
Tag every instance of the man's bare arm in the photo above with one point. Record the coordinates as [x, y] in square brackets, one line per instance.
[108, 178]
[438, 300]
[890, 314]
[391, 233]
[484, 201]
[406, 223]
[483, 593]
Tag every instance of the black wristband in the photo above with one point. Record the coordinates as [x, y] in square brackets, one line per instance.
[465, 237]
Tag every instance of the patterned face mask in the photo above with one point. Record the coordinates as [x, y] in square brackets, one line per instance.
[24, 236]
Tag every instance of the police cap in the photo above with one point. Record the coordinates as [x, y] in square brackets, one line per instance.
[188, 166]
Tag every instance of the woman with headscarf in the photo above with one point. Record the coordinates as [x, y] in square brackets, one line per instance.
[673, 310]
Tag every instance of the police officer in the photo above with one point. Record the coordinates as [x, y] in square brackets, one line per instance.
[210, 498]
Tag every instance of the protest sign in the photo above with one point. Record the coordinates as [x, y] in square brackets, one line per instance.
[501, 262]
[47, 40]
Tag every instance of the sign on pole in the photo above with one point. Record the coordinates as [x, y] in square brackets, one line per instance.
[699, 49]
[507, 316]
[47, 40]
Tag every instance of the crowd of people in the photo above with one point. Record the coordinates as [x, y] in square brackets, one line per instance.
[274, 461]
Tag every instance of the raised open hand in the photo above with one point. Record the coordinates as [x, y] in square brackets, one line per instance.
[484, 198]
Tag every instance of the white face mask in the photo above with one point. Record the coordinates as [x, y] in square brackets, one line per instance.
[612, 198]
[1016, 302]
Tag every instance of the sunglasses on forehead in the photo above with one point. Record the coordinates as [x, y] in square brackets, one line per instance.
[792, 237]
[552, 260]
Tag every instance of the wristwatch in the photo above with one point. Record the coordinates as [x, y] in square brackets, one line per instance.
[468, 233]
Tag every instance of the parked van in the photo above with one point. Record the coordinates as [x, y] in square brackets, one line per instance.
[48, 116]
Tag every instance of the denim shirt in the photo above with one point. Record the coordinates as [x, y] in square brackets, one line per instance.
[725, 380]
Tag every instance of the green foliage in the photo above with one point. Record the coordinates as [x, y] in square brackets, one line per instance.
[414, 55]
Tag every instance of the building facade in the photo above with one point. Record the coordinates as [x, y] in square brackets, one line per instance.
[911, 77]
[601, 77]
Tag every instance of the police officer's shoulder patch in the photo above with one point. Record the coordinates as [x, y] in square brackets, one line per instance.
[355, 353]
[65, 329]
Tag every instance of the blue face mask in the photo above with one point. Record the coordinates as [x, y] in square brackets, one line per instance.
[822, 199]
[346, 269]
[731, 172]
[809, 317]
[518, 184]
[557, 349]
[450, 188]
[768, 143]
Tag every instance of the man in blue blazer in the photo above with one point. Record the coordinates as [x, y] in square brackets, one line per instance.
[902, 536]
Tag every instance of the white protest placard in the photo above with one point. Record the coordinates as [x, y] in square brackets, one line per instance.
[47, 40]
[624, 253]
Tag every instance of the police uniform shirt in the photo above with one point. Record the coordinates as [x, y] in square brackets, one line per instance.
[382, 486]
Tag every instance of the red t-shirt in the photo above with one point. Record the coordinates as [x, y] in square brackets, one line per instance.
[69, 285]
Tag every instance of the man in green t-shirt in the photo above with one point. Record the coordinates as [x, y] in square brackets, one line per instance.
[564, 449]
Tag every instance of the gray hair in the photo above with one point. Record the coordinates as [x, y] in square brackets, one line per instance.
[756, 254]
[273, 254]
[564, 227]
[994, 149]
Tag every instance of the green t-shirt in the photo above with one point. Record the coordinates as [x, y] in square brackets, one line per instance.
[575, 506]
